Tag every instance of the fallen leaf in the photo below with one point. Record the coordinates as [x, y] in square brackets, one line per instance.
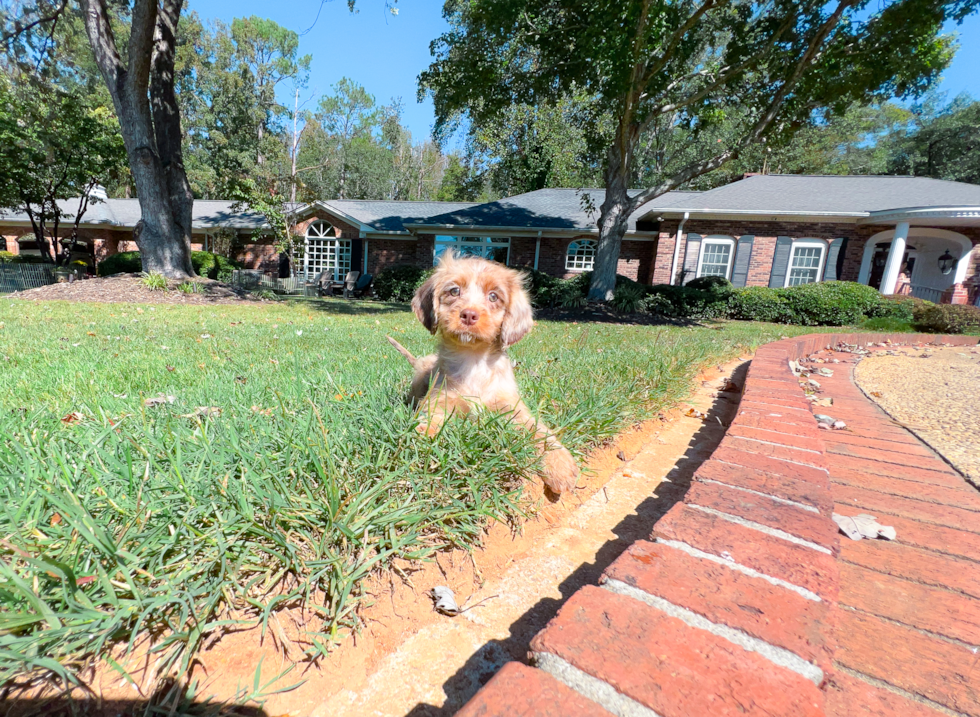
[159, 400]
[73, 417]
[204, 412]
[695, 413]
[171, 368]
[56, 519]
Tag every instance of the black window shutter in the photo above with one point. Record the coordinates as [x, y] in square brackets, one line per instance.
[780, 262]
[356, 255]
[691, 255]
[835, 259]
[743, 255]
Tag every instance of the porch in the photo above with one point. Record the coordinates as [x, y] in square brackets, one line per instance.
[935, 262]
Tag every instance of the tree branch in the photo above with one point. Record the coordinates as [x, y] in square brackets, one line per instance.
[103, 41]
[141, 40]
[676, 38]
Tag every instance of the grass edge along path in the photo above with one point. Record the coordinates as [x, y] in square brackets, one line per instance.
[170, 471]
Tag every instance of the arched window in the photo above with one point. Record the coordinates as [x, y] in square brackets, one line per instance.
[581, 255]
[325, 252]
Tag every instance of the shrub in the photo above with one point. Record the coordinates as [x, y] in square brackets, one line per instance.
[398, 283]
[887, 324]
[125, 262]
[760, 303]
[6, 256]
[947, 318]
[190, 287]
[542, 288]
[831, 303]
[683, 302]
[629, 299]
[710, 283]
[154, 281]
[901, 308]
[205, 263]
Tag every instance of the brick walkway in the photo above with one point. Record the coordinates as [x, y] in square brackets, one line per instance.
[745, 601]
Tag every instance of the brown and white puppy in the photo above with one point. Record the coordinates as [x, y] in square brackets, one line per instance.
[478, 308]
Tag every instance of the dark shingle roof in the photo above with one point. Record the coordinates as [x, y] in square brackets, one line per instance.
[832, 194]
[545, 209]
[391, 216]
[207, 214]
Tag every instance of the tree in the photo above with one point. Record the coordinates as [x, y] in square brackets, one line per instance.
[139, 72]
[682, 63]
[54, 146]
[939, 141]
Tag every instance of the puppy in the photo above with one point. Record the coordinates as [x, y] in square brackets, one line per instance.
[478, 308]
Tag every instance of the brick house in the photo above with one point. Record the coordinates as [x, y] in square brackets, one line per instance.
[899, 234]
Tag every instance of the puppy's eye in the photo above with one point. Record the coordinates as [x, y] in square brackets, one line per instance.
[493, 296]
[454, 291]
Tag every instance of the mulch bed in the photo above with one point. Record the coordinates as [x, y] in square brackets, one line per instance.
[127, 289]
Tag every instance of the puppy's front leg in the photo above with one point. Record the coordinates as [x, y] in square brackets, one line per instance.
[560, 470]
[437, 406]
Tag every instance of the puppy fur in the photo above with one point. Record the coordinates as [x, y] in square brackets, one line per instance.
[477, 309]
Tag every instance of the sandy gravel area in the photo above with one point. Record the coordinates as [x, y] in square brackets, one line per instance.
[935, 393]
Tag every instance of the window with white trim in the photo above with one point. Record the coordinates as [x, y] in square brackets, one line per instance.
[716, 257]
[492, 248]
[805, 263]
[580, 255]
[325, 252]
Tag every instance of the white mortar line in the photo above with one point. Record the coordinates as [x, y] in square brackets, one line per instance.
[784, 460]
[684, 547]
[591, 687]
[785, 501]
[781, 445]
[774, 532]
[778, 655]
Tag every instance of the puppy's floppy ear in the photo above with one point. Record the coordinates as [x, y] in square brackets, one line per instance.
[519, 318]
[423, 304]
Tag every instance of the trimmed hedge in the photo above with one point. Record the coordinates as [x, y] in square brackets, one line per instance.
[831, 303]
[205, 263]
[947, 318]
[399, 283]
[760, 303]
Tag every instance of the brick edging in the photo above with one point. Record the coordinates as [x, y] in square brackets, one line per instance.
[728, 607]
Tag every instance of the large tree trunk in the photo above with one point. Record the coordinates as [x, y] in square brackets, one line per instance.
[613, 217]
[154, 151]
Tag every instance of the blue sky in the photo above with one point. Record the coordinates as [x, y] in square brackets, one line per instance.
[386, 53]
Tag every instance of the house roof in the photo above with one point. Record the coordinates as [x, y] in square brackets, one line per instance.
[543, 209]
[207, 214]
[828, 194]
[391, 216]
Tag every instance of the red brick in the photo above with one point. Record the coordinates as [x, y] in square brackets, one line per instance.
[749, 403]
[908, 472]
[845, 444]
[936, 669]
[927, 608]
[755, 606]
[800, 440]
[773, 466]
[850, 697]
[778, 558]
[803, 524]
[948, 541]
[914, 564]
[874, 502]
[800, 491]
[850, 450]
[672, 668]
[774, 398]
[966, 498]
[525, 692]
[775, 421]
[788, 385]
[783, 453]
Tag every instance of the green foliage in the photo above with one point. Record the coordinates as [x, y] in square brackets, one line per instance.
[716, 284]
[947, 318]
[265, 295]
[629, 298]
[6, 257]
[887, 325]
[831, 303]
[684, 302]
[207, 264]
[900, 308]
[137, 519]
[154, 281]
[398, 283]
[190, 287]
[760, 303]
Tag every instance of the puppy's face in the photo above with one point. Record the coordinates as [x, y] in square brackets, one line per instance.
[472, 302]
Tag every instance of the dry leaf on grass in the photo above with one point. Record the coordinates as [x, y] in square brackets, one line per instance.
[73, 417]
[158, 400]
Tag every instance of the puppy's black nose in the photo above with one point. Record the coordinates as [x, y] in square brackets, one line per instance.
[468, 317]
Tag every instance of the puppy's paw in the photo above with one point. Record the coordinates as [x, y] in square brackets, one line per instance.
[428, 429]
[560, 470]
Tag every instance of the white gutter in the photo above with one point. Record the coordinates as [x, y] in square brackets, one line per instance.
[677, 247]
[537, 250]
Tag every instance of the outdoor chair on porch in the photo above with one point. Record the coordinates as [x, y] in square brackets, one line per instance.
[327, 285]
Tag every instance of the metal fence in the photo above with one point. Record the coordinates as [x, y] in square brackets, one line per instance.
[17, 277]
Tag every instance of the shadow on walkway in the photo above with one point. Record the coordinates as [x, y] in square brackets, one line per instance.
[485, 662]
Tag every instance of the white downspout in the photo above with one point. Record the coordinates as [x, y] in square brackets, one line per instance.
[677, 248]
[537, 250]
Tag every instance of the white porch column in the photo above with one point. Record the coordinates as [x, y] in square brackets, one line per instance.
[895, 255]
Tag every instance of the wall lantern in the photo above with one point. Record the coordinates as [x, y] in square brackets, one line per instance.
[946, 262]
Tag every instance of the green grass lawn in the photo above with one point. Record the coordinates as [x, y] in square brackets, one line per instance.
[118, 518]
